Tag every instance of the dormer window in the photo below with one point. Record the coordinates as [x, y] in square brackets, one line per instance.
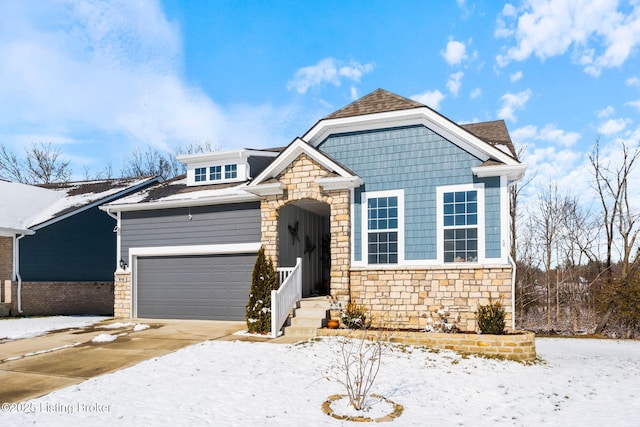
[230, 171]
[215, 173]
[200, 174]
[224, 167]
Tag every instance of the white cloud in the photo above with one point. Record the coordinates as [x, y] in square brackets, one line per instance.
[608, 111]
[454, 53]
[512, 102]
[613, 126]
[635, 104]
[75, 69]
[476, 93]
[454, 82]
[327, 70]
[515, 76]
[549, 134]
[632, 82]
[354, 93]
[600, 35]
[430, 98]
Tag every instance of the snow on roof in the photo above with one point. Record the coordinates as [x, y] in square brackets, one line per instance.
[177, 190]
[26, 206]
[21, 202]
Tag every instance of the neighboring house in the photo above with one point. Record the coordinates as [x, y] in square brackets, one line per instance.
[57, 247]
[387, 202]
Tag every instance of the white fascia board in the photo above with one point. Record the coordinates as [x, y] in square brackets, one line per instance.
[181, 203]
[291, 153]
[233, 248]
[416, 116]
[223, 155]
[512, 172]
[10, 232]
[271, 189]
[340, 183]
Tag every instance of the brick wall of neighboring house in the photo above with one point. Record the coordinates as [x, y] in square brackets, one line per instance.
[6, 258]
[400, 297]
[58, 298]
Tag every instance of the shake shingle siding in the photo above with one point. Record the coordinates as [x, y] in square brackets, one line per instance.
[418, 161]
[208, 225]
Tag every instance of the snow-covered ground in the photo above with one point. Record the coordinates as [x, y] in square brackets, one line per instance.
[28, 327]
[230, 383]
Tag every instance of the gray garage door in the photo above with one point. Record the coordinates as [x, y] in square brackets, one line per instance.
[212, 287]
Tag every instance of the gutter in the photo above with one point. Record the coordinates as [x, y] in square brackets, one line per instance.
[513, 292]
[16, 269]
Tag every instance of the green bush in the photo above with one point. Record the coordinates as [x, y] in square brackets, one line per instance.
[354, 316]
[264, 280]
[490, 317]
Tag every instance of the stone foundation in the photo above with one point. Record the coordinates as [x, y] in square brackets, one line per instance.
[519, 346]
[405, 297]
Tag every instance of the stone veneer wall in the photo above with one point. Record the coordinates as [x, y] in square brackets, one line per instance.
[122, 295]
[299, 181]
[404, 297]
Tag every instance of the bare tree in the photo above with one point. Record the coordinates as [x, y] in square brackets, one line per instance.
[152, 162]
[548, 221]
[42, 164]
[514, 195]
[612, 186]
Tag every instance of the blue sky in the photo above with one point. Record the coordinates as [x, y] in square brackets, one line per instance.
[100, 78]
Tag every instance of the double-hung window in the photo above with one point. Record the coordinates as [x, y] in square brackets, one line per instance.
[460, 213]
[230, 171]
[215, 173]
[384, 212]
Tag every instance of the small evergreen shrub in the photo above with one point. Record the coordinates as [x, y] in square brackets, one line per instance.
[354, 316]
[263, 281]
[490, 317]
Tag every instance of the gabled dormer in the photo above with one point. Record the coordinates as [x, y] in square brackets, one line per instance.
[225, 166]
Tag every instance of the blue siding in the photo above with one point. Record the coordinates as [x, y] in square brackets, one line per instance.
[492, 216]
[417, 160]
[79, 248]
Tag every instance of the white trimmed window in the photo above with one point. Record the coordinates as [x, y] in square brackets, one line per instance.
[215, 173]
[383, 227]
[230, 171]
[460, 223]
[200, 174]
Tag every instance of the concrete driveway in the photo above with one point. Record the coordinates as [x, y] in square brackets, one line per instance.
[36, 366]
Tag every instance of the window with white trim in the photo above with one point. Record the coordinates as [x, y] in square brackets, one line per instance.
[460, 226]
[215, 173]
[383, 227]
[230, 171]
[200, 174]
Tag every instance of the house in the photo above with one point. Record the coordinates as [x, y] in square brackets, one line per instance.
[386, 203]
[57, 247]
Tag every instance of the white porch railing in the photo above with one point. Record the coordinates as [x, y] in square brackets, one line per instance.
[289, 292]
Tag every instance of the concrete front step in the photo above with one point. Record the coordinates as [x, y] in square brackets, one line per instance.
[318, 302]
[310, 316]
[301, 331]
[312, 322]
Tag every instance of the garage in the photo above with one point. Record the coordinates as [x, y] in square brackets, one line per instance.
[208, 287]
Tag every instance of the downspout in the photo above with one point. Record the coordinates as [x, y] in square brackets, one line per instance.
[118, 238]
[16, 269]
[513, 293]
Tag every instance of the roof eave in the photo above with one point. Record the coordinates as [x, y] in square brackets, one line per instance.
[181, 203]
[512, 172]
